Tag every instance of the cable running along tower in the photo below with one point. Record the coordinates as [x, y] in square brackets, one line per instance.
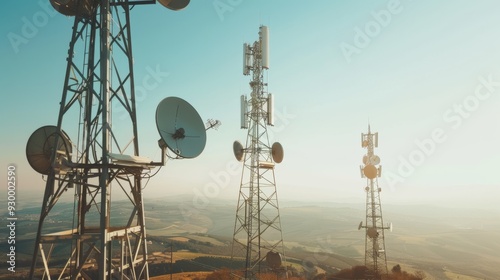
[257, 230]
[98, 109]
[375, 258]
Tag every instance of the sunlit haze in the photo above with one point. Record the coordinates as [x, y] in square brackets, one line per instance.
[425, 75]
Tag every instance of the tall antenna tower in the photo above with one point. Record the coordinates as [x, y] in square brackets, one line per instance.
[257, 230]
[375, 258]
[98, 88]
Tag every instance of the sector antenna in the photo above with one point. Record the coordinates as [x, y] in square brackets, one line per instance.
[375, 255]
[258, 236]
[93, 150]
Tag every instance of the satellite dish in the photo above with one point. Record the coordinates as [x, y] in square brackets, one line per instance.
[277, 152]
[41, 145]
[273, 259]
[360, 225]
[390, 227]
[238, 150]
[181, 127]
[364, 143]
[370, 171]
[374, 160]
[83, 8]
[365, 159]
[372, 232]
[174, 5]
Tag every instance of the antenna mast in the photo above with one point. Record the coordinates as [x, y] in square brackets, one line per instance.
[375, 258]
[257, 230]
[98, 87]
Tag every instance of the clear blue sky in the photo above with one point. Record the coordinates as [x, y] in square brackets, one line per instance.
[416, 70]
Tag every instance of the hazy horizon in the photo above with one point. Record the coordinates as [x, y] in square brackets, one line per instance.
[197, 199]
[426, 80]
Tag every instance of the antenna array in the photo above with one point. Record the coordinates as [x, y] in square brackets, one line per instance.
[375, 257]
[257, 231]
[99, 87]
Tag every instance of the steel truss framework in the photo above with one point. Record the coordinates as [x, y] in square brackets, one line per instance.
[375, 256]
[98, 86]
[257, 229]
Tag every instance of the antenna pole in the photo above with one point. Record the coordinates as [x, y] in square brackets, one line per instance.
[104, 187]
[257, 220]
[96, 89]
[375, 255]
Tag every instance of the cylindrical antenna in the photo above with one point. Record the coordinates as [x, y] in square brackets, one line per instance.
[270, 109]
[246, 59]
[264, 43]
[244, 112]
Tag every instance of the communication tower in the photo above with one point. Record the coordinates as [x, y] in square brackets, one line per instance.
[98, 111]
[257, 230]
[375, 257]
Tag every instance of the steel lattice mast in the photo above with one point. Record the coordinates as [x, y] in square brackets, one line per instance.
[375, 257]
[98, 88]
[257, 231]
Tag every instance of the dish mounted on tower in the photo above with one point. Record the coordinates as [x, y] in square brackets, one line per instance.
[45, 142]
[180, 127]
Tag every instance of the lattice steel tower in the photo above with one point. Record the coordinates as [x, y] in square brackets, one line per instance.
[257, 231]
[103, 156]
[375, 257]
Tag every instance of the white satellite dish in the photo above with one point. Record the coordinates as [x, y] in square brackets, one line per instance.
[181, 127]
[277, 152]
[375, 160]
[174, 5]
[238, 150]
[41, 145]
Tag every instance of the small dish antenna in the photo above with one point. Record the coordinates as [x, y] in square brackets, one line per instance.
[180, 127]
[375, 160]
[41, 145]
[364, 143]
[370, 171]
[273, 259]
[174, 5]
[360, 225]
[238, 150]
[277, 152]
[372, 232]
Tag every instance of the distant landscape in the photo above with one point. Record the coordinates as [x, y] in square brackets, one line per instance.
[444, 243]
